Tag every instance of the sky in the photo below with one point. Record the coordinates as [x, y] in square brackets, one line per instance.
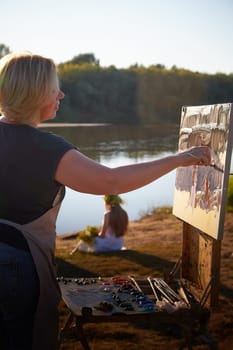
[193, 34]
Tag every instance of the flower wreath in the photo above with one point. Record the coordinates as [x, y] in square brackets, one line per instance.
[113, 199]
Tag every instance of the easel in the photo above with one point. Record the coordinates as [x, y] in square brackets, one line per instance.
[201, 251]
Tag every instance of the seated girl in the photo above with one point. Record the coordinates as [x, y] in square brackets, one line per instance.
[111, 235]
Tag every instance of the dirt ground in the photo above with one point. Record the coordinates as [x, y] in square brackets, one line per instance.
[169, 230]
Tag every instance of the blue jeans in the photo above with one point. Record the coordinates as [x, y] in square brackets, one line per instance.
[19, 291]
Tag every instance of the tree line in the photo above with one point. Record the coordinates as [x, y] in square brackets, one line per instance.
[134, 95]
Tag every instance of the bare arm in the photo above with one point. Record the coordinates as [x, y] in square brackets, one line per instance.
[82, 174]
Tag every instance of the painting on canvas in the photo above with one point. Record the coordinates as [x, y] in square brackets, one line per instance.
[201, 191]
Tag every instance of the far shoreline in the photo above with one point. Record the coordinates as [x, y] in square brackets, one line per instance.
[49, 125]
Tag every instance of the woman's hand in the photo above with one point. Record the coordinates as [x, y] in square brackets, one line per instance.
[200, 155]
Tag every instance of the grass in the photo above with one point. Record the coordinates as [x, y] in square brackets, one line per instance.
[158, 211]
[230, 195]
[147, 261]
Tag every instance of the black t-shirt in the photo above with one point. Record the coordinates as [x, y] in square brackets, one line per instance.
[28, 161]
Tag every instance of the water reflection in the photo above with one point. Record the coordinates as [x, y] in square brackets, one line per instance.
[133, 141]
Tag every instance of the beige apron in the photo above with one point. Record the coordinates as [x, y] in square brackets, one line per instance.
[41, 237]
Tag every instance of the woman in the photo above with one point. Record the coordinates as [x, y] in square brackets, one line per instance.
[35, 167]
[114, 227]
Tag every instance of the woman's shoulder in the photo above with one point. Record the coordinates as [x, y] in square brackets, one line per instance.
[48, 141]
[49, 136]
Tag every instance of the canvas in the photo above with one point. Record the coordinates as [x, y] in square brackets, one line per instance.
[201, 191]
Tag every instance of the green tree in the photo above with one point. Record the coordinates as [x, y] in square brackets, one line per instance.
[84, 58]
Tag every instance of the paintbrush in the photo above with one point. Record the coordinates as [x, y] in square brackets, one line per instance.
[216, 168]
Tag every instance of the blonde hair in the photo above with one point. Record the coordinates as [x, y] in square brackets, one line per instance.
[25, 82]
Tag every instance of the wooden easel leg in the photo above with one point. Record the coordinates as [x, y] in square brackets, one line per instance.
[201, 260]
[81, 336]
[76, 329]
[64, 330]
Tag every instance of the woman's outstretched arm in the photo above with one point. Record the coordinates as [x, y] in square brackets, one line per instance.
[83, 174]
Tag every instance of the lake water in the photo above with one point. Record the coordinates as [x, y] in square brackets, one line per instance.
[114, 146]
[79, 210]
